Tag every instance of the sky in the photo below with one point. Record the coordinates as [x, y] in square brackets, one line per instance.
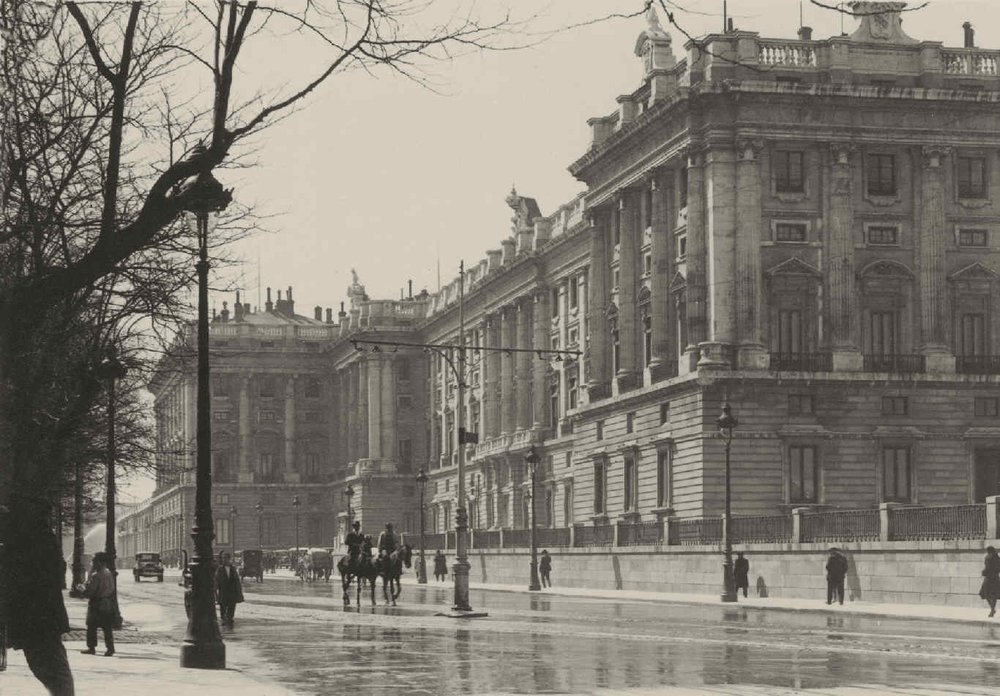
[395, 180]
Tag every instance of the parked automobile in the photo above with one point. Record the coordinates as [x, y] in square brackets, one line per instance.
[148, 565]
[253, 565]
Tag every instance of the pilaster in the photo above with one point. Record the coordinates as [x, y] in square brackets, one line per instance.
[749, 295]
[938, 356]
[491, 390]
[245, 475]
[661, 308]
[843, 298]
[508, 405]
[720, 240]
[695, 292]
[597, 368]
[628, 212]
[292, 471]
[523, 363]
[388, 422]
[540, 368]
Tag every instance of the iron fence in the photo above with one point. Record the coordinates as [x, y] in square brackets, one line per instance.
[486, 538]
[938, 522]
[761, 529]
[516, 538]
[840, 525]
[596, 535]
[553, 536]
[703, 530]
[434, 541]
[640, 533]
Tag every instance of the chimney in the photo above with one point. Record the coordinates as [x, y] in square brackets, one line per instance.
[329, 315]
[509, 249]
[238, 308]
[805, 34]
[291, 302]
[225, 311]
[409, 285]
[268, 306]
[318, 313]
[729, 27]
[342, 314]
[970, 35]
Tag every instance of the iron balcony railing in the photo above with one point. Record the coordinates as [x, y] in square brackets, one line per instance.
[937, 522]
[802, 362]
[899, 364]
[978, 364]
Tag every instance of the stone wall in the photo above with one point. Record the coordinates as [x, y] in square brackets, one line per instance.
[942, 573]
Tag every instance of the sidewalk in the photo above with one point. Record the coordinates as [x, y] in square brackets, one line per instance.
[896, 611]
[146, 661]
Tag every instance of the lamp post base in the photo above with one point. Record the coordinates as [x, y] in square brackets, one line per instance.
[421, 571]
[203, 655]
[460, 571]
[728, 584]
[534, 585]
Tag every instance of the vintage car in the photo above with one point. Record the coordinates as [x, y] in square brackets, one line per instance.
[148, 565]
[253, 565]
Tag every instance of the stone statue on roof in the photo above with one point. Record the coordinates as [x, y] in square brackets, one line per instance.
[356, 291]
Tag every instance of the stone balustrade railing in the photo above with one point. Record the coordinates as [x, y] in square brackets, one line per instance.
[971, 62]
[239, 329]
[786, 54]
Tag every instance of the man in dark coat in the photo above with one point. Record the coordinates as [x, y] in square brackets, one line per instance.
[836, 571]
[741, 572]
[354, 540]
[228, 589]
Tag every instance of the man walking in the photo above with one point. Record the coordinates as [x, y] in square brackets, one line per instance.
[836, 571]
[228, 588]
[545, 568]
[741, 572]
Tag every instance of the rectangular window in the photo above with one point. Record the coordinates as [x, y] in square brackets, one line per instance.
[883, 333]
[973, 238]
[789, 232]
[803, 474]
[881, 174]
[883, 235]
[266, 387]
[569, 460]
[574, 338]
[600, 430]
[404, 402]
[987, 406]
[682, 188]
[312, 389]
[554, 413]
[631, 483]
[682, 246]
[616, 352]
[222, 499]
[663, 478]
[972, 335]
[403, 370]
[789, 332]
[788, 171]
[897, 474]
[311, 469]
[267, 415]
[574, 292]
[555, 302]
[647, 264]
[265, 466]
[600, 471]
[895, 405]
[664, 412]
[647, 340]
[222, 535]
[630, 421]
[971, 177]
[615, 279]
[799, 404]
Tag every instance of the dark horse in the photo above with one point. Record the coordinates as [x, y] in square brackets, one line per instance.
[391, 569]
[360, 570]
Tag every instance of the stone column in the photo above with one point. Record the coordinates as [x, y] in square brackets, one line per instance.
[375, 365]
[361, 430]
[245, 472]
[349, 380]
[695, 294]
[749, 295]
[843, 299]
[491, 385]
[663, 363]
[933, 304]
[719, 225]
[292, 469]
[523, 363]
[540, 368]
[508, 405]
[598, 371]
[388, 422]
[627, 288]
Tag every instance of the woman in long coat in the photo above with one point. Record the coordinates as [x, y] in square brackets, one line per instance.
[440, 566]
[990, 590]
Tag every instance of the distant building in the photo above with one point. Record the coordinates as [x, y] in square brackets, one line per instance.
[805, 229]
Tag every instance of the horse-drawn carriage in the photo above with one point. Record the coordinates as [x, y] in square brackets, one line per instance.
[315, 564]
[252, 565]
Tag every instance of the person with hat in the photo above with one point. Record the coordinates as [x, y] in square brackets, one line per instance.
[354, 540]
[836, 571]
[387, 541]
[102, 611]
[990, 589]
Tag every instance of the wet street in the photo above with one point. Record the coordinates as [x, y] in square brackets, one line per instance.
[538, 643]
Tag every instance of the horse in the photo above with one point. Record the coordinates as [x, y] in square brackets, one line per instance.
[360, 571]
[391, 569]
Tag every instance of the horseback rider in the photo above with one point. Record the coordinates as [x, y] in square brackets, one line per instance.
[387, 541]
[354, 541]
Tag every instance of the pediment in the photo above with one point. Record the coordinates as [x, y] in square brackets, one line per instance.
[974, 271]
[793, 266]
[886, 269]
[678, 282]
[644, 296]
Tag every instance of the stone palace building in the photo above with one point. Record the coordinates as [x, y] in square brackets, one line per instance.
[806, 229]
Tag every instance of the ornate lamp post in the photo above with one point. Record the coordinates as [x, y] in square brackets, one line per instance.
[232, 522]
[111, 369]
[532, 459]
[349, 493]
[203, 647]
[295, 504]
[422, 563]
[727, 422]
[259, 507]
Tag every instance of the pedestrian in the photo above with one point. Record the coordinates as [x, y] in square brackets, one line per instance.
[990, 589]
[545, 568]
[741, 572]
[836, 571]
[228, 589]
[440, 566]
[102, 607]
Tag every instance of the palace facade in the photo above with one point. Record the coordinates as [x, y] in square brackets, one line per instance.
[808, 230]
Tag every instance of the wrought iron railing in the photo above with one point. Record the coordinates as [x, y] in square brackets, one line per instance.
[597, 535]
[486, 538]
[937, 522]
[840, 525]
[697, 531]
[516, 538]
[978, 364]
[802, 362]
[552, 536]
[640, 533]
[761, 529]
[433, 541]
[900, 364]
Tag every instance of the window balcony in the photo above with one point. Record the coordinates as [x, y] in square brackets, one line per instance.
[900, 364]
[802, 362]
[978, 364]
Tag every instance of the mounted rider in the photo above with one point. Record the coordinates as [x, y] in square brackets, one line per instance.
[387, 542]
[354, 541]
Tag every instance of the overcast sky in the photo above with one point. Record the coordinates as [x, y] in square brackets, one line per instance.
[379, 174]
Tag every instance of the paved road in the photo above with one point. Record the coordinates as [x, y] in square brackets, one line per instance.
[536, 643]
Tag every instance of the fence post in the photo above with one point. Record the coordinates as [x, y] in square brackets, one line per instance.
[991, 516]
[616, 534]
[667, 539]
[572, 535]
[722, 539]
[472, 538]
[797, 524]
[885, 520]
[501, 538]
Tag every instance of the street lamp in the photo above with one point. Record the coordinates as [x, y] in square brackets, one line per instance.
[232, 523]
[259, 507]
[203, 647]
[110, 369]
[532, 459]
[349, 493]
[422, 563]
[727, 422]
[295, 504]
